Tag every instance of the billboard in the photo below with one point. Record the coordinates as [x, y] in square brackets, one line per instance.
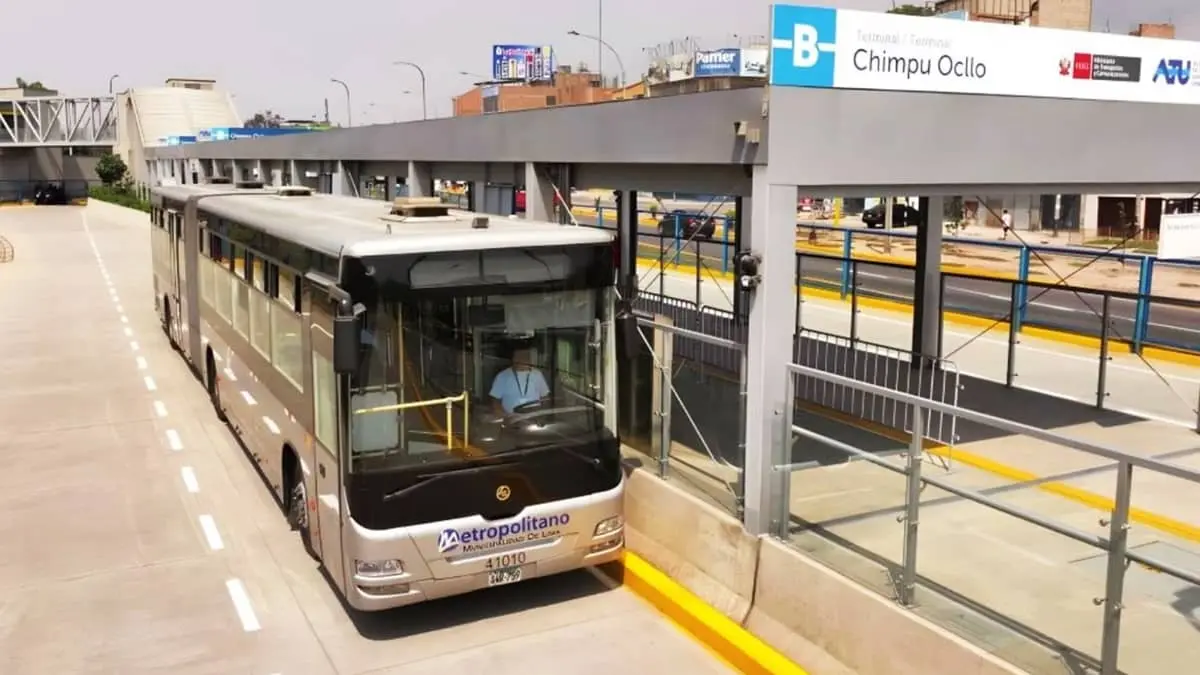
[719, 63]
[522, 62]
[753, 62]
[844, 49]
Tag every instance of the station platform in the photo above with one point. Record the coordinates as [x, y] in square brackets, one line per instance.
[141, 540]
[1025, 592]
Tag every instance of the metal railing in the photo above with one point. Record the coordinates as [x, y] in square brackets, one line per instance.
[447, 401]
[1116, 546]
[888, 367]
[1145, 272]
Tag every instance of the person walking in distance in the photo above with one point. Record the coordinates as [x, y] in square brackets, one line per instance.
[1005, 223]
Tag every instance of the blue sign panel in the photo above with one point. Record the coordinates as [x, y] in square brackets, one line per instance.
[233, 133]
[522, 62]
[719, 63]
[802, 46]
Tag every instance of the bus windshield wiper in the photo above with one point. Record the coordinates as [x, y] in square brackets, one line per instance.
[426, 478]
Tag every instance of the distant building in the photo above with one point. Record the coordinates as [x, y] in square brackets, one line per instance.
[1154, 30]
[1066, 14]
[565, 88]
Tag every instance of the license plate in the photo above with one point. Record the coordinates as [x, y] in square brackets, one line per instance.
[507, 575]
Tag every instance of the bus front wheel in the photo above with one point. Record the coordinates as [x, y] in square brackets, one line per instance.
[297, 503]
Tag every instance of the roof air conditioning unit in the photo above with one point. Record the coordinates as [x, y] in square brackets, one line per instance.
[220, 180]
[249, 185]
[419, 207]
[294, 191]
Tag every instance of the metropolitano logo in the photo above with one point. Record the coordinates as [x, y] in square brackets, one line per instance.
[802, 46]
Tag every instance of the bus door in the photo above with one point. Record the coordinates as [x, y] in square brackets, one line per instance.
[325, 451]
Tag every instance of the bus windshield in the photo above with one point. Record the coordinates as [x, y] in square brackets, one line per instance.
[450, 378]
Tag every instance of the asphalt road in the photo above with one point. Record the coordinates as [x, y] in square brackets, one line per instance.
[1077, 312]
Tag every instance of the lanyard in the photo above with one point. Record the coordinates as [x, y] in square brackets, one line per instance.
[524, 388]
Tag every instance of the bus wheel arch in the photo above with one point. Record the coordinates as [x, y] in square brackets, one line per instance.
[166, 319]
[211, 382]
[295, 494]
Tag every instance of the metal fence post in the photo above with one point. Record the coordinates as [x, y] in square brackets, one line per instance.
[1141, 314]
[847, 261]
[1114, 580]
[677, 243]
[1102, 376]
[1013, 327]
[739, 496]
[725, 246]
[853, 301]
[941, 337]
[912, 506]
[782, 478]
[1023, 290]
[699, 294]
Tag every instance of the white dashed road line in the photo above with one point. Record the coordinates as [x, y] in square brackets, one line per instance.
[211, 535]
[208, 525]
[241, 603]
[189, 479]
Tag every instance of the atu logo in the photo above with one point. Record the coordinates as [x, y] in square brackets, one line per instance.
[1173, 71]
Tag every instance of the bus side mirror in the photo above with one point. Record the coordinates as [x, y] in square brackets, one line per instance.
[345, 344]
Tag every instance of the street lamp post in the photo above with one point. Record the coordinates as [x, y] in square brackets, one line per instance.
[349, 110]
[110, 83]
[424, 98]
[603, 45]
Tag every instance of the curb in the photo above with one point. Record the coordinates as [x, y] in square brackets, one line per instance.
[723, 636]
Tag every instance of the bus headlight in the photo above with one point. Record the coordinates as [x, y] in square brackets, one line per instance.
[378, 568]
[608, 526]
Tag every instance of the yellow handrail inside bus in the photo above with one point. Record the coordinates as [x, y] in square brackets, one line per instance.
[447, 401]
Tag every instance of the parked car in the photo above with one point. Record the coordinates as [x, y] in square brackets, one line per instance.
[692, 225]
[903, 215]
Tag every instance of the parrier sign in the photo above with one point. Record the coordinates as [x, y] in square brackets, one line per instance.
[843, 49]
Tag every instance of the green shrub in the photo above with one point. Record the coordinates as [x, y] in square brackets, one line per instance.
[121, 195]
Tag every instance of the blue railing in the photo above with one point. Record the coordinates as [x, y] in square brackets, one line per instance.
[1144, 331]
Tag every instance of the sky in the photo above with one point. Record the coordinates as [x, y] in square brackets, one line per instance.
[281, 56]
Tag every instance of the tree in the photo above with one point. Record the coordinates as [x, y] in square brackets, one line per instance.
[264, 120]
[22, 83]
[111, 169]
[912, 10]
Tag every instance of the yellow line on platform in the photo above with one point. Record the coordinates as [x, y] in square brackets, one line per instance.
[1157, 521]
[723, 636]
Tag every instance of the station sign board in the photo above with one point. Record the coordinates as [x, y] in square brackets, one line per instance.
[1179, 237]
[530, 63]
[235, 133]
[844, 49]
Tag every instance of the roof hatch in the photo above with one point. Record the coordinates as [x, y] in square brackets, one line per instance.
[419, 207]
[294, 191]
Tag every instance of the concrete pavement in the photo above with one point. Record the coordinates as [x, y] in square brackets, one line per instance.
[143, 541]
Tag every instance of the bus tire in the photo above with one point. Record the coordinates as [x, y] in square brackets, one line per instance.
[210, 379]
[168, 328]
[297, 498]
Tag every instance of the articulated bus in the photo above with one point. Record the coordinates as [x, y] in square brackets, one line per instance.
[430, 393]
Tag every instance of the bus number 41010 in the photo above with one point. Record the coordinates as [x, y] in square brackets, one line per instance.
[506, 560]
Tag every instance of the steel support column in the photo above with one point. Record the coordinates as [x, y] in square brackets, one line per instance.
[627, 239]
[739, 217]
[539, 191]
[420, 180]
[772, 327]
[927, 283]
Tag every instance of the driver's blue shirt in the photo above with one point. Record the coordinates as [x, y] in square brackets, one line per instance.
[517, 388]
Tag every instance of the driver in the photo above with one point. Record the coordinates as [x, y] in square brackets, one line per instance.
[519, 384]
